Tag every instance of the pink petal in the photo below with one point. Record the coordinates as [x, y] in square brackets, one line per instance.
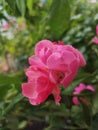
[34, 102]
[97, 30]
[78, 55]
[82, 61]
[70, 76]
[79, 88]
[91, 88]
[59, 61]
[42, 96]
[28, 90]
[44, 84]
[43, 49]
[56, 93]
[39, 99]
[95, 40]
[75, 100]
[35, 61]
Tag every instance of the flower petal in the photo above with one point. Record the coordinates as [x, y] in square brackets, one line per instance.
[28, 90]
[95, 40]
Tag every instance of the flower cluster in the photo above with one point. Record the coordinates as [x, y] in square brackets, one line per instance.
[78, 90]
[52, 65]
[95, 40]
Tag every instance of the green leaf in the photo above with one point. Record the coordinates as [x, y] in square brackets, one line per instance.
[95, 103]
[6, 80]
[30, 5]
[6, 83]
[94, 125]
[16, 99]
[11, 3]
[86, 113]
[59, 17]
[21, 5]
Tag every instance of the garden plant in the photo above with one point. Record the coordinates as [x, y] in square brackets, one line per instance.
[48, 65]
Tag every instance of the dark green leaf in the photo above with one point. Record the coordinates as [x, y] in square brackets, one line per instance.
[11, 3]
[95, 103]
[86, 114]
[94, 125]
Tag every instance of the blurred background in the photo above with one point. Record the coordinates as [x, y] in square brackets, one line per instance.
[22, 24]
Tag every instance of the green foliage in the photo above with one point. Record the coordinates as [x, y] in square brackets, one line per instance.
[59, 17]
[21, 5]
[16, 99]
[17, 6]
[94, 125]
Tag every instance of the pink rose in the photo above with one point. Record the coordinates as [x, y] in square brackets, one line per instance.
[95, 39]
[54, 64]
[39, 86]
[78, 90]
[61, 60]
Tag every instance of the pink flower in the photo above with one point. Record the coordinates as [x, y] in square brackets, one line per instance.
[5, 68]
[95, 39]
[6, 25]
[61, 60]
[39, 87]
[78, 90]
[97, 30]
[55, 64]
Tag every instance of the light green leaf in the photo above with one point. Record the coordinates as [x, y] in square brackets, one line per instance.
[21, 5]
[30, 5]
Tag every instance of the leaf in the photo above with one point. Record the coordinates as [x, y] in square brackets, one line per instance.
[95, 103]
[77, 115]
[59, 17]
[30, 5]
[86, 113]
[94, 125]
[6, 83]
[11, 3]
[16, 99]
[6, 80]
[21, 5]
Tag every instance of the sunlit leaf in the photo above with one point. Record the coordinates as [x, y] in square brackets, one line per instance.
[21, 5]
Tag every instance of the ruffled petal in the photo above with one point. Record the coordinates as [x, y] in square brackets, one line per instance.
[28, 90]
